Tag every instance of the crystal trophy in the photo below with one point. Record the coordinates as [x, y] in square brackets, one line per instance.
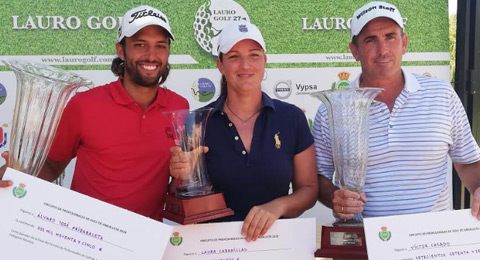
[195, 200]
[42, 94]
[348, 110]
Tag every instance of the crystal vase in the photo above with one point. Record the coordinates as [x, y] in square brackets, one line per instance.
[42, 93]
[348, 122]
[189, 132]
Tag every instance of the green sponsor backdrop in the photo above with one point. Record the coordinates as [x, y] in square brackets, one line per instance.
[282, 23]
[279, 20]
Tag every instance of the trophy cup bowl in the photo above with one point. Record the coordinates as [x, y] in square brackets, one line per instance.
[41, 95]
[347, 111]
[195, 200]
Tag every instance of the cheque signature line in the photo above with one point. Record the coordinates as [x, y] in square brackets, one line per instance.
[54, 223]
[470, 244]
[272, 249]
[437, 247]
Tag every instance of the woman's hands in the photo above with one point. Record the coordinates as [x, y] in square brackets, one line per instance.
[260, 219]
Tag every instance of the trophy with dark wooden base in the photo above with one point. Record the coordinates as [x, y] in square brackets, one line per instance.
[344, 242]
[194, 200]
[348, 122]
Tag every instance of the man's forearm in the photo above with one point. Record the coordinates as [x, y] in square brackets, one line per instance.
[469, 174]
[51, 170]
[326, 190]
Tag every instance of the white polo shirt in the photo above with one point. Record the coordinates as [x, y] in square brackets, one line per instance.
[408, 148]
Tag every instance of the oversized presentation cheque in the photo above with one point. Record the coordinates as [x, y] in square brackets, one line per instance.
[41, 220]
[431, 236]
[287, 239]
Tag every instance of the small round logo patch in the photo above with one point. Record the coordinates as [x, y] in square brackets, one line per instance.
[3, 94]
[176, 239]
[343, 82]
[19, 192]
[283, 89]
[203, 89]
[384, 235]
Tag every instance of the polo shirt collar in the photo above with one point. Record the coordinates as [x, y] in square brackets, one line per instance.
[411, 82]
[266, 102]
[120, 95]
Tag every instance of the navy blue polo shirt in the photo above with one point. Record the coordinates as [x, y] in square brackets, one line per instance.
[248, 179]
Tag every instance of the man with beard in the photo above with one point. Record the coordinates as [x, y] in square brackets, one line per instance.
[117, 131]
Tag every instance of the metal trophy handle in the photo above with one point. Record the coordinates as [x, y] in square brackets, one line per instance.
[42, 94]
[348, 110]
[195, 200]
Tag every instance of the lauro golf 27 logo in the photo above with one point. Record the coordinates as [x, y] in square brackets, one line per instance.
[211, 17]
[20, 191]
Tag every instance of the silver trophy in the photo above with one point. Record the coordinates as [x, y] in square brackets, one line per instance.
[348, 122]
[42, 93]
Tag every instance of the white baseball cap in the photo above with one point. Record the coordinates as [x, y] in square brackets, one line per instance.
[236, 31]
[373, 10]
[140, 17]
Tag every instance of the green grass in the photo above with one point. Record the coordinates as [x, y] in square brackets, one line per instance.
[279, 20]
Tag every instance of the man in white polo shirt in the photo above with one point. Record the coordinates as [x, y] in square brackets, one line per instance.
[414, 125]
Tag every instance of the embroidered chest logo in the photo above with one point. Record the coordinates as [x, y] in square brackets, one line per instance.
[169, 132]
[278, 143]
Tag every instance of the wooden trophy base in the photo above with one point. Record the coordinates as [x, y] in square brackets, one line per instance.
[343, 242]
[196, 209]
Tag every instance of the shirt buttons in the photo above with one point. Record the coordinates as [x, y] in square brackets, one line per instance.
[144, 116]
[230, 124]
[221, 113]
[236, 138]
[243, 152]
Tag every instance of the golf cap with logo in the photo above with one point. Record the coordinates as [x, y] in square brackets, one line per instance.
[373, 10]
[236, 31]
[140, 17]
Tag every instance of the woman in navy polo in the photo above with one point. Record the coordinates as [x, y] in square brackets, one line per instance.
[257, 146]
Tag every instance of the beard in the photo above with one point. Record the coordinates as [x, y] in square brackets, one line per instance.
[143, 80]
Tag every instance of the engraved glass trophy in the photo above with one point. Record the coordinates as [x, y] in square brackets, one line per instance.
[194, 200]
[42, 93]
[347, 110]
